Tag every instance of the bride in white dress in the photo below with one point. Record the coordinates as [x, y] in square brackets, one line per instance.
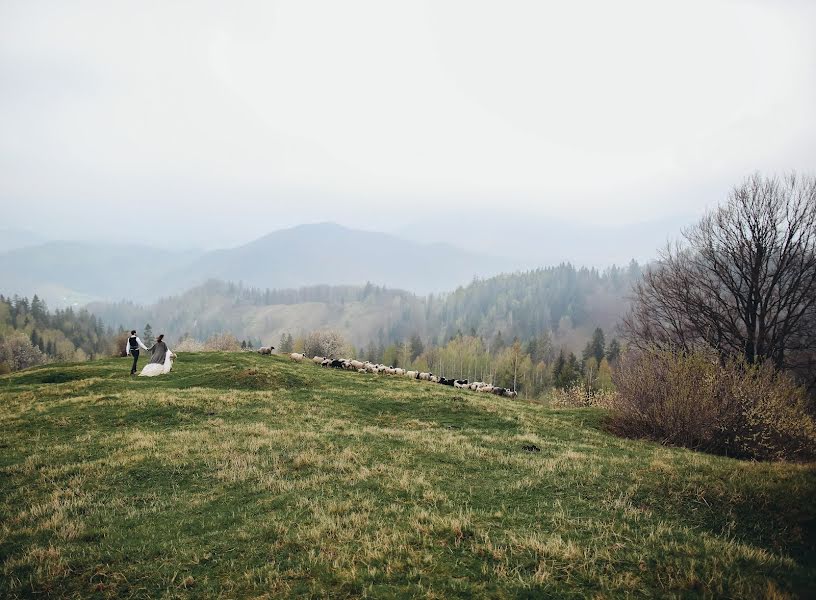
[161, 359]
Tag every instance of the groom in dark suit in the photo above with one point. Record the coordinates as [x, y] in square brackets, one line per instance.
[132, 347]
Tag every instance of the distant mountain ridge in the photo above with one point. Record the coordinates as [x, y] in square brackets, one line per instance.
[325, 253]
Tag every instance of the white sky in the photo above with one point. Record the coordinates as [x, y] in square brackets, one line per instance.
[225, 120]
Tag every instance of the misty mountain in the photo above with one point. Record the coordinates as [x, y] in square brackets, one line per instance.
[65, 273]
[327, 253]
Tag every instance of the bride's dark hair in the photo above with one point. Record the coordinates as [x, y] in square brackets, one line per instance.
[161, 336]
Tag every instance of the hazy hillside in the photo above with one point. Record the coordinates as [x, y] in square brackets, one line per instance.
[565, 301]
[241, 476]
[65, 273]
[327, 253]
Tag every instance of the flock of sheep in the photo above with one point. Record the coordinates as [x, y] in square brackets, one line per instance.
[368, 367]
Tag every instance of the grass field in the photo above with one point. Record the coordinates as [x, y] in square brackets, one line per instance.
[246, 476]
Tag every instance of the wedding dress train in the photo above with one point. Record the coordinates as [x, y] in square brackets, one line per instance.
[153, 369]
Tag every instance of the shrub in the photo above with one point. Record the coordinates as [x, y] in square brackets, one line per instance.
[692, 400]
[119, 344]
[17, 352]
[580, 395]
[222, 342]
[323, 343]
[189, 344]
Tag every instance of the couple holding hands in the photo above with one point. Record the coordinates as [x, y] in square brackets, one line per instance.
[161, 358]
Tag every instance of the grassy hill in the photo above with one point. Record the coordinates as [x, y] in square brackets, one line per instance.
[246, 476]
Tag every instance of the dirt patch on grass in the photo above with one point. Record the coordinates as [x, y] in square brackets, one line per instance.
[49, 376]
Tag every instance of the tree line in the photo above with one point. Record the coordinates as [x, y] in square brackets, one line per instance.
[30, 334]
[532, 367]
[564, 301]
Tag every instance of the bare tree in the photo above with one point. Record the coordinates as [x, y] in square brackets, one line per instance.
[743, 281]
[324, 343]
[17, 352]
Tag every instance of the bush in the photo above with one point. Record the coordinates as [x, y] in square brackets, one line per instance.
[323, 343]
[119, 344]
[222, 342]
[17, 352]
[189, 344]
[691, 400]
[580, 395]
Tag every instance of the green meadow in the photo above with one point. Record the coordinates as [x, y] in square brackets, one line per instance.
[242, 476]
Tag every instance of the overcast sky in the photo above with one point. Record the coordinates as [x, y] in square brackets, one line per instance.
[217, 122]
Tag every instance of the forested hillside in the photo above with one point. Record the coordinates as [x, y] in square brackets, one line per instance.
[30, 334]
[566, 302]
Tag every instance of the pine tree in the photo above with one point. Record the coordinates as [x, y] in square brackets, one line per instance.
[566, 370]
[498, 343]
[587, 353]
[243, 345]
[532, 349]
[558, 368]
[614, 350]
[417, 347]
[598, 345]
[148, 335]
[286, 343]
[39, 310]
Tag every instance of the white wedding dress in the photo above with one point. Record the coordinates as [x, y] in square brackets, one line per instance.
[153, 369]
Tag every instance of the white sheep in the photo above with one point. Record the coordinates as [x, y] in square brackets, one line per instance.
[296, 356]
[318, 360]
[399, 371]
[265, 349]
[412, 374]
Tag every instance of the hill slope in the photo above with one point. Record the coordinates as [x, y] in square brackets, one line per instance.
[246, 476]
